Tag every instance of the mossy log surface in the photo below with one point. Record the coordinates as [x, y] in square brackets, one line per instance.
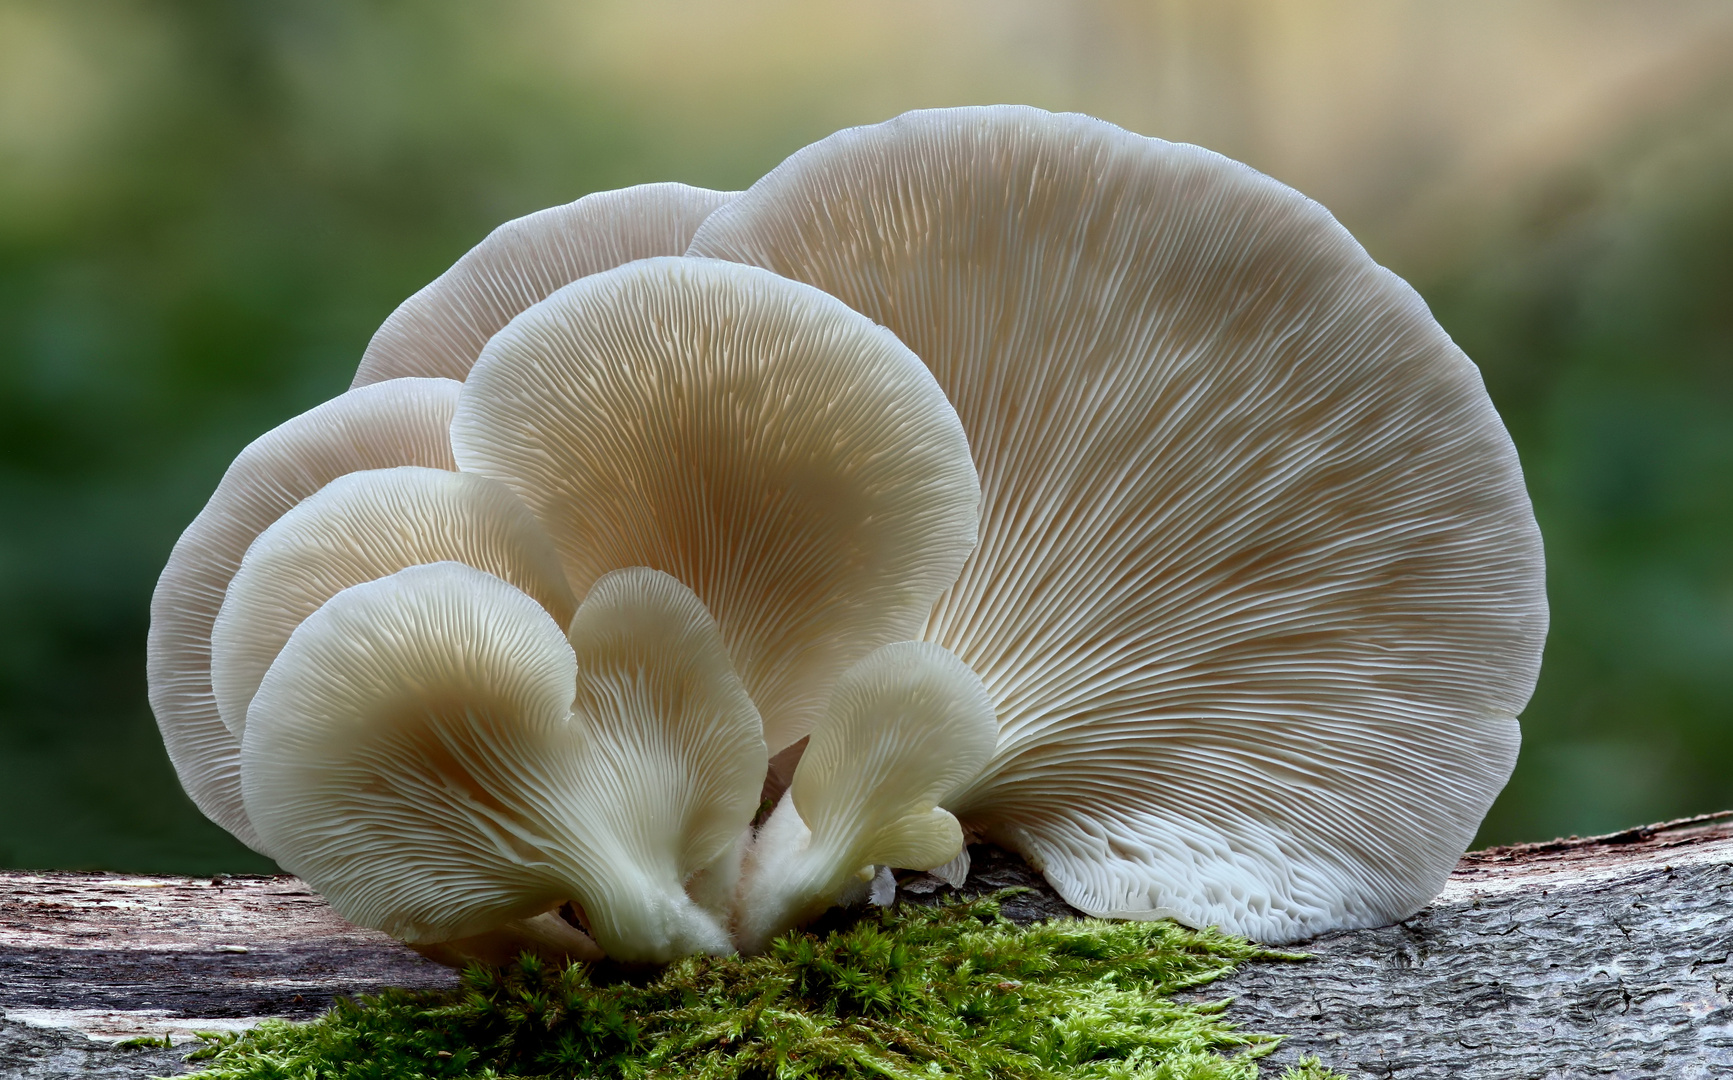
[1606, 956]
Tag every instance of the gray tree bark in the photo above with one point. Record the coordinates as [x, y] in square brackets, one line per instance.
[1605, 957]
[1602, 957]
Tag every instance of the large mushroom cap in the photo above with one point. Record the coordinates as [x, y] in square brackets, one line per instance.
[1258, 595]
[441, 329]
[408, 752]
[400, 422]
[789, 461]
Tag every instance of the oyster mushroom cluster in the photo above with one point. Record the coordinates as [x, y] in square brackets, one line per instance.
[681, 561]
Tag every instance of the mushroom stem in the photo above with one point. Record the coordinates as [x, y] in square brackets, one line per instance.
[788, 880]
[715, 886]
[637, 919]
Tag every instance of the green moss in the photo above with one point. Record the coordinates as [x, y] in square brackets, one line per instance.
[942, 992]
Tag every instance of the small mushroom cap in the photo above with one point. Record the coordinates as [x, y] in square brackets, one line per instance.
[677, 754]
[401, 422]
[441, 329]
[1259, 591]
[361, 527]
[406, 748]
[792, 463]
[906, 727]
[414, 754]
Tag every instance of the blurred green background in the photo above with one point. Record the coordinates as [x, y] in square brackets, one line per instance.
[206, 207]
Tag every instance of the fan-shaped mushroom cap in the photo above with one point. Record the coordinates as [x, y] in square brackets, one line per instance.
[792, 463]
[404, 751]
[441, 329]
[361, 527]
[677, 753]
[905, 728]
[1259, 591]
[414, 755]
[401, 422]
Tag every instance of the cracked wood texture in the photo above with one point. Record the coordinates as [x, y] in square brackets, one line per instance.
[1602, 957]
[90, 959]
[1599, 957]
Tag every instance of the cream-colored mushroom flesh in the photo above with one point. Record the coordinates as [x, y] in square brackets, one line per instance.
[791, 462]
[677, 755]
[364, 526]
[904, 728]
[441, 329]
[409, 752]
[434, 754]
[1259, 591]
[401, 422]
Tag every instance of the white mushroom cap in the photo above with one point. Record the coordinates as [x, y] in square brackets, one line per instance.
[414, 754]
[361, 527]
[792, 463]
[401, 422]
[677, 758]
[403, 753]
[441, 329]
[905, 728]
[1259, 591]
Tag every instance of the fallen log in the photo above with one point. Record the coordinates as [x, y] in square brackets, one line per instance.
[88, 961]
[1605, 956]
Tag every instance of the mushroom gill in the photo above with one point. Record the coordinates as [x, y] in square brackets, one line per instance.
[1259, 594]
[441, 329]
[398, 422]
[788, 460]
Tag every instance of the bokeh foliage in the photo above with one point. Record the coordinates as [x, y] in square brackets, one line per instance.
[1602, 317]
[206, 207]
[278, 178]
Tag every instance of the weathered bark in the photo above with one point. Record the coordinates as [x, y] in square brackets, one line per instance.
[116, 956]
[1611, 956]
[1605, 957]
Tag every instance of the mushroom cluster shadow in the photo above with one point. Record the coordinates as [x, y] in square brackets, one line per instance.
[682, 564]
